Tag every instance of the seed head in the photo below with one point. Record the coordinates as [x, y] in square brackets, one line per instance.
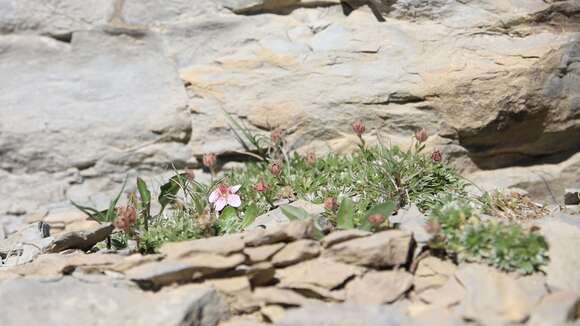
[331, 204]
[358, 127]
[275, 168]
[421, 135]
[209, 160]
[276, 135]
[376, 219]
[261, 186]
[311, 158]
[436, 156]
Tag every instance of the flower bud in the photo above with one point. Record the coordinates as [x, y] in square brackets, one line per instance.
[276, 135]
[209, 160]
[421, 135]
[126, 217]
[436, 156]
[311, 158]
[331, 204]
[261, 186]
[275, 168]
[358, 127]
[376, 219]
[189, 174]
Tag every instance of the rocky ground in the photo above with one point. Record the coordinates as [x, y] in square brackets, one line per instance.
[95, 91]
[279, 275]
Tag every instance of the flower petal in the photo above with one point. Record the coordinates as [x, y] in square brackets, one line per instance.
[234, 189]
[220, 204]
[234, 200]
[214, 196]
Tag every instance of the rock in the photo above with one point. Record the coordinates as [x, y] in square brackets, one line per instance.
[25, 245]
[432, 273]
[316, 292]
[106, 303]
[321, 272]
[273, 313]
[343, 315]
[296, 252]
[277, 296]
[276, 217]
[136, 115]
[343, 235]
[492, 297]
[560, 308]
[451, 293]
[60, 264]
[157, 274]
[412, 220]
[383, 249]
[563, 235]
[260, 274]
[262, 253]
[572, 197]
[83, 240]
[379, 287]
[223, 245]
[443, 316]
[292, 231]
[133, 261]
[238, 293]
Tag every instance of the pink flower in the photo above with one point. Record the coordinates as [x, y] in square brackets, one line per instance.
[358, 127]
[224, 195]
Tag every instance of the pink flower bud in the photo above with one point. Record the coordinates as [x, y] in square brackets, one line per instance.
[376, 219]
[421, 135]
[189, 174]
[331, 204]
[276, 135]
[209, 160]
[275, 168]
[311, 158]
[126, 217]
[261, 186]
[436, 156]
[358, 127]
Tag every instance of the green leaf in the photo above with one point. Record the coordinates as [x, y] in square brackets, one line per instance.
[294, 213]
[386, 209]
[228, 213]
[144, 192]
[250, 215]
[91, 212]
[345, 215]
[169, 190]
[111, 214]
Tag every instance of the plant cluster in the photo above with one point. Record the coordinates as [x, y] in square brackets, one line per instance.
[507, 246]
[360, 190]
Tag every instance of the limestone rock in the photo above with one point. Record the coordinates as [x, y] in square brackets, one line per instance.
[343, 235]
[259, 274]
[25, 245]
[563, 236]
[412, 220]
[83, 239]
[262, 253]
[59, 264]
[492, 297]
[379, 287]
[292, 231]
[572, 197]
[72, 302]
[276, 217]
[296, 252]
[322, 272]
[432, 273]
[277, 296]
[157, 274]
[238, 293]
[383, 249]
[451, 293]
[273, 313]
[222, 245]
[344, 315]
[560, 308]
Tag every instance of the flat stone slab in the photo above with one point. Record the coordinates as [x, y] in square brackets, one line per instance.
[70, 301]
